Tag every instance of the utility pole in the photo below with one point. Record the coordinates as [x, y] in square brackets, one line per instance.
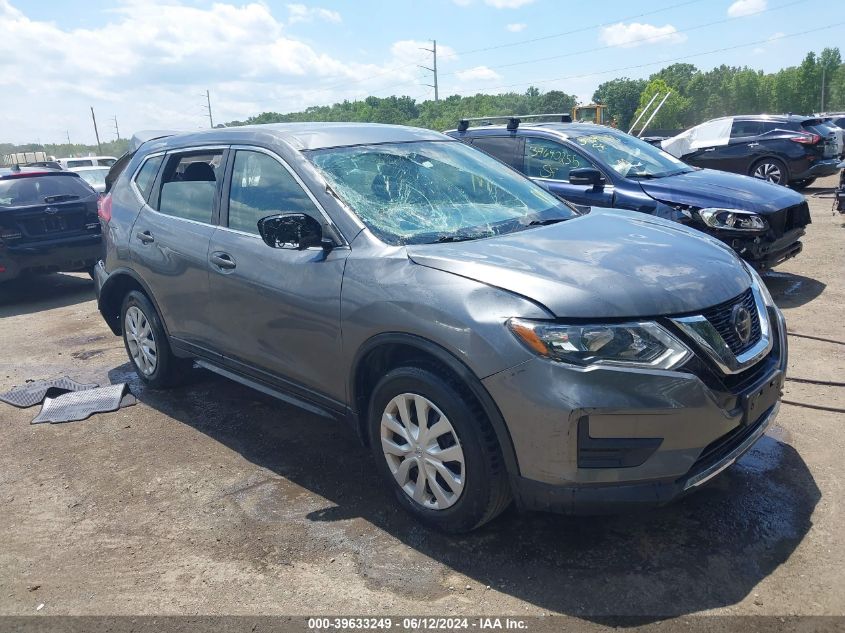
[116, 129]
[96, 132]
[68, 136]
[433, 70]
[208, 107]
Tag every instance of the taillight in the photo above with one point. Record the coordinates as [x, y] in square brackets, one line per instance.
[807, 139]
[104, 208]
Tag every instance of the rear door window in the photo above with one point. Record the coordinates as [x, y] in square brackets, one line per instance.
[80, 163]
[106, 162]
[146, 176]
[545, 158]
[504, 148]
[261, 186]
[189, 185]
[744, 129]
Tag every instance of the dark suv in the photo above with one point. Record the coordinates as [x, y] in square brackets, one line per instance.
[48, 222]
[596, 165]
[784, 149]
[485, 339]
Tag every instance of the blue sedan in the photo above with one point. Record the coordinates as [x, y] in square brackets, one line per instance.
[594, 165]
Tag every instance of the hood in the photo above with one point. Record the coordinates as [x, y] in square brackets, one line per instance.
[710, 188]
[607, 264]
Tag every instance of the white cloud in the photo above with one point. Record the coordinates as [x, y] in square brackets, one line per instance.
[516, 27]
[479, 73]
[636, 34]
[746, 7]
[153, 60]
[302, 13]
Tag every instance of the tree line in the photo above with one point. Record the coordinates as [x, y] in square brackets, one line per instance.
[696, 96]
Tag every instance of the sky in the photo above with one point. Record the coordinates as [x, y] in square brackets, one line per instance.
[148, 63]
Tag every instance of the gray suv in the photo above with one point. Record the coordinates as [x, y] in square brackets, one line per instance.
[487, 341]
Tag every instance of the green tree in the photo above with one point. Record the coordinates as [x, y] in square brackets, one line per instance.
[677, 76]
[672, 115]
[622, 98]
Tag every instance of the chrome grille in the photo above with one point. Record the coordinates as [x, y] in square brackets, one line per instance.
[720, 317]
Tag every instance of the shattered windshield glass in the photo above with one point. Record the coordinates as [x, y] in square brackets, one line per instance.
[435, 191]
[631, 157]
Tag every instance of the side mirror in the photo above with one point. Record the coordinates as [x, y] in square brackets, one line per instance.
[291, 230]
[586, 176]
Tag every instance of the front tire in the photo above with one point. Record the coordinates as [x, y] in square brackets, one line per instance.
[436, 449]
[147, 345]
[804, 183]
[771, 170]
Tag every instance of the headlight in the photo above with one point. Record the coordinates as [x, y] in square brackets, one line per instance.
[734, 219]
[630, 344]
[761, 286]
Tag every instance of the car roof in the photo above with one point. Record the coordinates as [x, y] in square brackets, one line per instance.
[305, 136]
[90, 168]
[83, 157]
[564, 130]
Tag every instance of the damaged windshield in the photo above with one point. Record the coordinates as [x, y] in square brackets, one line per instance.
[631, 157]
[435, 191]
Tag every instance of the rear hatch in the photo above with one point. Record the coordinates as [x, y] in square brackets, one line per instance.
[831, 143]
[46, 207]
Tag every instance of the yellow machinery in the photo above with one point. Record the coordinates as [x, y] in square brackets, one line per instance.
[591, 113]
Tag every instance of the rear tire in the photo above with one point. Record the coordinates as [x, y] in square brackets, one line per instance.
[452, 479]
[147, 345]
[771, 170]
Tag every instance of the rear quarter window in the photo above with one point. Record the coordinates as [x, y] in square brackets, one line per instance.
[146, 176]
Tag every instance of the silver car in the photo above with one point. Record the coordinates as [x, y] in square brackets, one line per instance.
[487, 341]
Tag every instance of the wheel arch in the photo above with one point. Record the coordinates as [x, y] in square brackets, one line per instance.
[387, 351]
[120, 282]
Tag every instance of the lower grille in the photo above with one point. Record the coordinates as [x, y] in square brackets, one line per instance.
[721, 317]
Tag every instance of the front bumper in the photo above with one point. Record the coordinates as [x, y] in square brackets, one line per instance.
[59, 255]
[654, 435]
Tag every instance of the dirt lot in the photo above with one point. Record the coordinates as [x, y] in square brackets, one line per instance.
[214, 499]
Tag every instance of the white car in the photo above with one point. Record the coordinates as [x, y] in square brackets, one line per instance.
[87, 161]
[94, 176]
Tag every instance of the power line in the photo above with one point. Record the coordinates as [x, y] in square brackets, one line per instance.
[519, 43]
[636, 41]
[578, 30]
[600, 48]
[668, 61]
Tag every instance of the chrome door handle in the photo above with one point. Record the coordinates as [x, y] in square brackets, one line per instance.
[753, 144]
[710, 149]
[222, 260]
[146, 237]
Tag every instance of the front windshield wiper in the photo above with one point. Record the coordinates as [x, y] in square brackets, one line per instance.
[547, 221]
[461, 237]
[60, 198]
[646, 176]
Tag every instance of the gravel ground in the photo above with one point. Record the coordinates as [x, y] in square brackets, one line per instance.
[214, 499]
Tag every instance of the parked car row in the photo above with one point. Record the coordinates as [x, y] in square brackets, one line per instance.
[785, 150]
[488, 341]
[593, 165]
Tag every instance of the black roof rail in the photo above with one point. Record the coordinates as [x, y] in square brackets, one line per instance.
[512, 119]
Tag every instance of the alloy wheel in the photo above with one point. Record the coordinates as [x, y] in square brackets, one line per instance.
[140, 340]
[422, 451]
[770, 172]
